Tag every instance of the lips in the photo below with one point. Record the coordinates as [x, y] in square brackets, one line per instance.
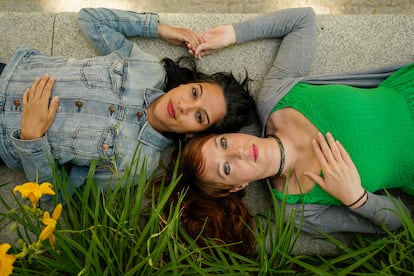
[170, 109]
[255, 152]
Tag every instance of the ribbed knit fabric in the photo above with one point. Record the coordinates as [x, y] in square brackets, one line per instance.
[375, 126]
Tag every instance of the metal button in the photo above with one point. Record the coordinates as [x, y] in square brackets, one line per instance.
[79, 104]
[112, 109]
[139, 114]
[16, 102]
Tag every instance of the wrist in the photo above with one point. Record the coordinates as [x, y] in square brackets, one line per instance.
[25, 136]
[359, 202]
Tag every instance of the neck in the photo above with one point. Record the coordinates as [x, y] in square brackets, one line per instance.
[151, 120]
[282, 156]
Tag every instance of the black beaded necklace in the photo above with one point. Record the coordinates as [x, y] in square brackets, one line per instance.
[282, 155]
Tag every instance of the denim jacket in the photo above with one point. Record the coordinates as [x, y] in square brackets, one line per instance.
[103, 102]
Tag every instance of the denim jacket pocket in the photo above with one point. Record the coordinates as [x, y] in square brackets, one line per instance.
[103, 74]
[86, 142]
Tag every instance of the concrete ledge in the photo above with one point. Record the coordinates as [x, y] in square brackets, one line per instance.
[345, 42]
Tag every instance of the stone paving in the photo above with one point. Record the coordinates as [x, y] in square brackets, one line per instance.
[332, 55]
[216, 6]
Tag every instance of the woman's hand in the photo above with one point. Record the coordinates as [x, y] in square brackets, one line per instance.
[340, 176]
[37, 113]
[215, 39]
[180, 36]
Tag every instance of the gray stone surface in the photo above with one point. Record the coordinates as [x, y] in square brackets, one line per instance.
[216, 6]
[354, 42]
[346, 42]
[17, 29]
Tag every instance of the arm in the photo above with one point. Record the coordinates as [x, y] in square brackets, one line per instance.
[108, 29]
[31, 141]
[341, 180]
[378, 210]
[297, 27]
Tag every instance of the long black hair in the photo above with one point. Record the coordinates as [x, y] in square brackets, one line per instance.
[240, 104]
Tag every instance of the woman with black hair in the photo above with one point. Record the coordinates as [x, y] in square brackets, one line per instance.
[105, 107]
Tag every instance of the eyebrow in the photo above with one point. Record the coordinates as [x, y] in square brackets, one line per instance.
[216, 142]
[201, 94]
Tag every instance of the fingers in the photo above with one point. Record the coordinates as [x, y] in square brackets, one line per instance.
[329, 148]
[325, 147]
[316, 178]
[318, 152]
[54, 104]
[336, 154]
[48, 85]
[40, 87]
[203, 49]
[25, 96]
[192, 40]
[345, 155]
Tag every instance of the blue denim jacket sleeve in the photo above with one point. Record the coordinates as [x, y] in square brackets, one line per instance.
[36, 157]
[108, 29]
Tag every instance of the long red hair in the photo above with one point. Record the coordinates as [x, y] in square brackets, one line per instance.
[220, 216]
[226, 220]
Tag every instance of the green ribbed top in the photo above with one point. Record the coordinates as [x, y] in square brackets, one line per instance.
[374, 125]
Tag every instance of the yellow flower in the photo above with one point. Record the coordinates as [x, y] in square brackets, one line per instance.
[34, 191]
[50, 223]
[6, 260]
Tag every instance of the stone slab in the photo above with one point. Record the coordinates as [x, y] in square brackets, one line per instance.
[345, 42]
[17, 29]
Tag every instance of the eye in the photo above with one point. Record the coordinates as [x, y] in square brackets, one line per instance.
[194, 92]
[199, 117]
[226, 168]
[223, 142]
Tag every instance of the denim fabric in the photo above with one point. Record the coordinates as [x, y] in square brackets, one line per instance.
[103, 102]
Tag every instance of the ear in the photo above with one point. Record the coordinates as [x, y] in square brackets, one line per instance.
[238, 188]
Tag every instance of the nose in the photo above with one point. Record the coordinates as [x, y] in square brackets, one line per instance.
[238, 152]
[184, 107]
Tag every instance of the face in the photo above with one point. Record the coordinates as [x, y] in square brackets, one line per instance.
[188, 108]
[236, 159]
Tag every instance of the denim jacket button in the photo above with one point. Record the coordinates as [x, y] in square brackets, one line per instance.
[112, 109]
[79, 104]
[16, 102]
[139, 114]
[105, 147]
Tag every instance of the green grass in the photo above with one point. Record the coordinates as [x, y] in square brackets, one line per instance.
[126, 231]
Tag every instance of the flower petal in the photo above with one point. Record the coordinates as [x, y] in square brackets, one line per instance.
[26, 188]
[46, 218]
[4, 248]
[47, 232]
[33, 198]
[52, 239]
[57, 212]
[46, 188]
[6, 260]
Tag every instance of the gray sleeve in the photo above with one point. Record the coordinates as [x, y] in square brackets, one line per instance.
[296, 28]
[378, 210]
[382, 209]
